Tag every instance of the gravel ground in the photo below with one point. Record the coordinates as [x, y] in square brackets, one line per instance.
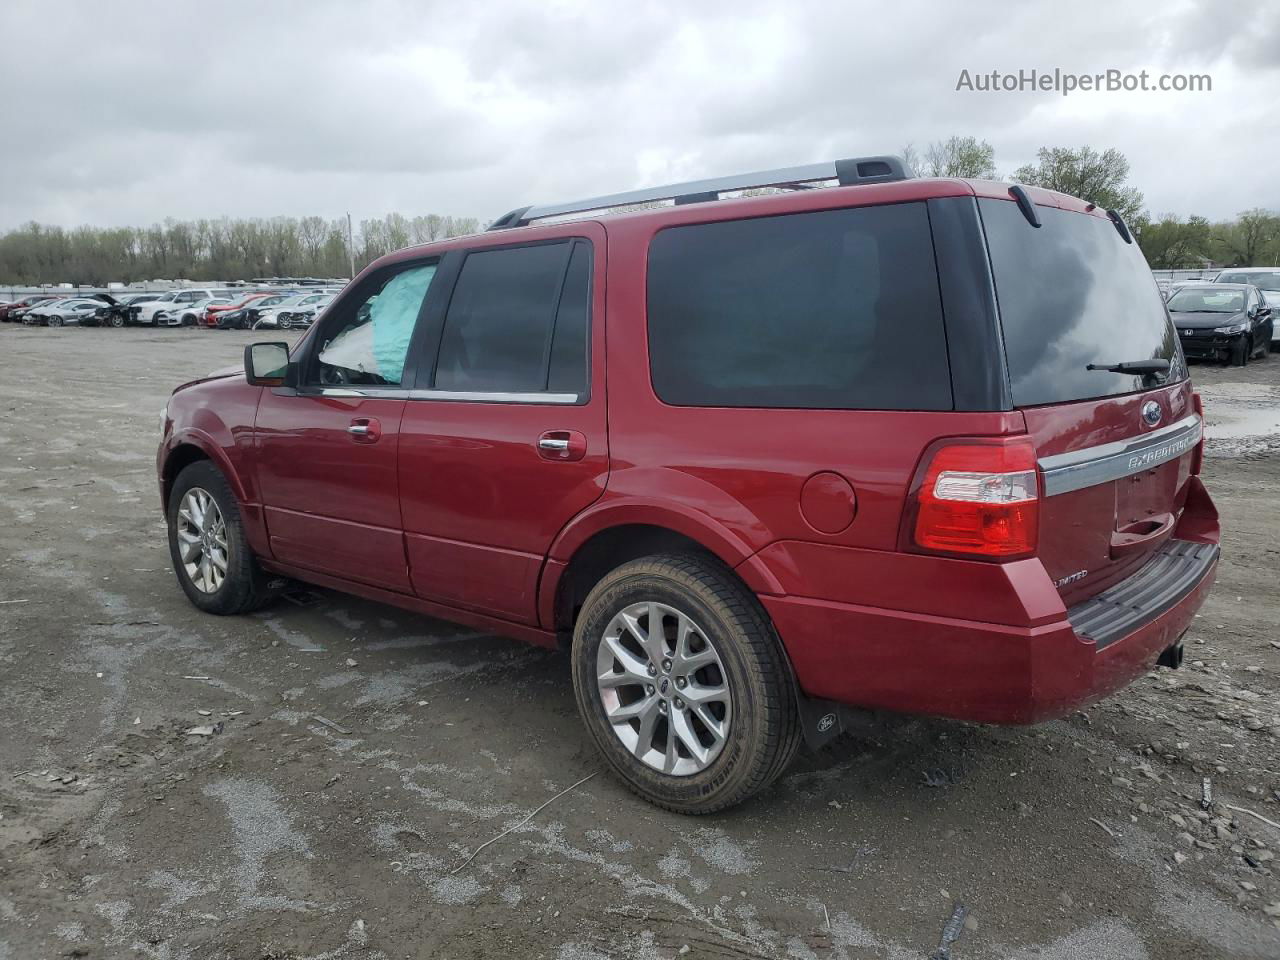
[355, 755]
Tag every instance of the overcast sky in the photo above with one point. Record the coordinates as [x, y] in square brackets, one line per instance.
[127, 113]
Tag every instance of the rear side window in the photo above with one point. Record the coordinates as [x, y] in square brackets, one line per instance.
[837, 309]
[517, 321]
[1072, 293]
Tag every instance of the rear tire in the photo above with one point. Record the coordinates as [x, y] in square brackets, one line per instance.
[211, 557]
[752, 728]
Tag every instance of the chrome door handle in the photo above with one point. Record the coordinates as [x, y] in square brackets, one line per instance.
[552, 443]
[359, 429]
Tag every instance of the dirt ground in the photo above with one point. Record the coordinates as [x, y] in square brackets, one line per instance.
[361, 754]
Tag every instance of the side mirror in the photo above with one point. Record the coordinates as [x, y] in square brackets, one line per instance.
[267, 365]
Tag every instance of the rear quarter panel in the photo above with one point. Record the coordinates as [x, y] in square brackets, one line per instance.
[743, 469]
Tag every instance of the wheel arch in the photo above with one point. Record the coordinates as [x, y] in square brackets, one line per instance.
[602, 541]
[191, 447]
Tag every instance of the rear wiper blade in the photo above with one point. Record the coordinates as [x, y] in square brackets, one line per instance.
[1132, 366]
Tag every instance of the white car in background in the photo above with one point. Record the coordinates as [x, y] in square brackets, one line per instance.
[168, 310]
[189, 316]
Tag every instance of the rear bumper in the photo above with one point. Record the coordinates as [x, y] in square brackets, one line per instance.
[980, 671]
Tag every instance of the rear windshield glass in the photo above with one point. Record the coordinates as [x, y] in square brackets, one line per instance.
[837, 309]
[1072, 293]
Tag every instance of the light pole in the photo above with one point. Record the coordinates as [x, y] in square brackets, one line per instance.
[351, 247]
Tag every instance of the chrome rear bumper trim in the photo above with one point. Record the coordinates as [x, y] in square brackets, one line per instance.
[1078, 469]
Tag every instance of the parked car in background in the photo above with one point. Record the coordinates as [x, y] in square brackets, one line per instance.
[254, 311]
[243, 318]
[171, 303]
[63, 313]
[1230, 322]
[1266, 279]
[303, 315]
[117, 314]
[1174, 286]
[15, 312]
[268, 317]
[239, 302]
[849, 453]
[191, 315]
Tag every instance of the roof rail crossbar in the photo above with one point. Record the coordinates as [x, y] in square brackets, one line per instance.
[856, 170]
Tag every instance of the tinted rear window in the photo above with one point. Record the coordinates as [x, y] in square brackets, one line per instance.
[837, 309]
[1072, 293]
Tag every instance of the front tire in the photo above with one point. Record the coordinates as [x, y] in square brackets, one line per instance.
[1240, 351]
[211, 557]
[115, 320]
[700, 713]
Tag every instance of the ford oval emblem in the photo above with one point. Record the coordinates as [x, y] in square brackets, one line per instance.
[1151, 413]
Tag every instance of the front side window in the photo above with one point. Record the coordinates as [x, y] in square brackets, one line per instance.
[837, 309]
[518, 320]
[368, 345]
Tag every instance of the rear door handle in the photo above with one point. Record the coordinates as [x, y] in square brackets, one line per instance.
[562, 445]
[365, 430]
[1141, 536]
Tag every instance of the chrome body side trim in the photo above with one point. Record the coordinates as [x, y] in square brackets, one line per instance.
[494, 397]
[1078, 469]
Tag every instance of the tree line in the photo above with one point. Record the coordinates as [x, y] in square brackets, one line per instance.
[226, 249]
[1169, 241]
[239, 249]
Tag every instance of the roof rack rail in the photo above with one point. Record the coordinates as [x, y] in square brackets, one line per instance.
[849, 172]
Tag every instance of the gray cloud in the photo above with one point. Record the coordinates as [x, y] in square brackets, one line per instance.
[193, 110]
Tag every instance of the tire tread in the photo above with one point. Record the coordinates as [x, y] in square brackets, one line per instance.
[766, 660]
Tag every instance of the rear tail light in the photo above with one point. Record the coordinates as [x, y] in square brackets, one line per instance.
[978, 498]
[1197, 453]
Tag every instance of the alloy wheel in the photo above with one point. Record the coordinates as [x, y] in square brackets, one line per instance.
[202, 540]
[664, 688]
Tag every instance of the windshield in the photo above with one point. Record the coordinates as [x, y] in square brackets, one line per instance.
[1073, 293]
[1207, 301]
[1266, 281]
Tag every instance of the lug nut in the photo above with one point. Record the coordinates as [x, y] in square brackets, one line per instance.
[662, 706]
[681, 682]
[653, 671]
[679, 704]
[666, 666]
[648, 688]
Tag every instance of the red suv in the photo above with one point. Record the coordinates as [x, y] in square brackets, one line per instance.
[923, 445]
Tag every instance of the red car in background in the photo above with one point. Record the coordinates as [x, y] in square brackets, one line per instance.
[210, 317]
[770, 458]
[7, 310]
